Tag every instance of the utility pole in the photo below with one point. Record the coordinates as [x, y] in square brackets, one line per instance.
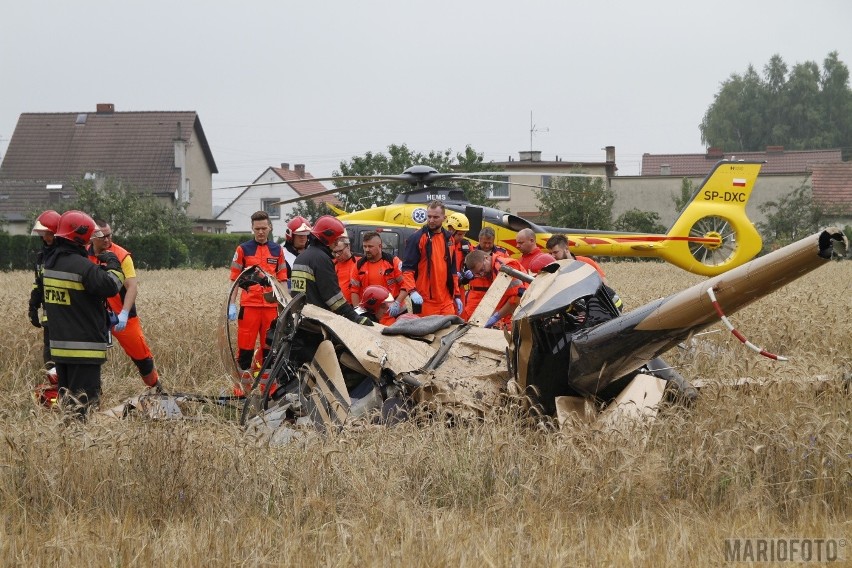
[534, 130]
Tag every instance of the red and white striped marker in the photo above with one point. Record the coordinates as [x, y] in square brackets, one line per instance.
[737, 334]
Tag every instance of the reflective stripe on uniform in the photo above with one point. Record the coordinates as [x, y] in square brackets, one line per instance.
[336, 301]
[60, 275]
[62, 283]
[78, 349]
[78, 344]
[79, 353]
[117, 277]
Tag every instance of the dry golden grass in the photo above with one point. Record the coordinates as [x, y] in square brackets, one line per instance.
[751, 462]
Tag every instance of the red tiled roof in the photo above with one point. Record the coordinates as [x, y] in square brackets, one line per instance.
[777, 162]
[832, 187]
[137, 147]
[307, 188]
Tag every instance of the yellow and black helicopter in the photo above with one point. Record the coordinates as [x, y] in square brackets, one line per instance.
[710, 236]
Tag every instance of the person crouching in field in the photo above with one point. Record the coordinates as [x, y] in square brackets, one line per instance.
[74, 293]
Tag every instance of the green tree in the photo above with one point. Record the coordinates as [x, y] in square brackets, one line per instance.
[398, 159]
[806, 108]
[130, 212]
[790, 218]
[577, 203]
[686, 191]
[638, 221]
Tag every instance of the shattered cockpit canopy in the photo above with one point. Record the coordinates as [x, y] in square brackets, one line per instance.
[551, 293]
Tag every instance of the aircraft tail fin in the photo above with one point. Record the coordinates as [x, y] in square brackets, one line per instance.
[713, 233]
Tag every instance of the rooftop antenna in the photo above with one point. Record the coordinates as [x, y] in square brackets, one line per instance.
[534, 130]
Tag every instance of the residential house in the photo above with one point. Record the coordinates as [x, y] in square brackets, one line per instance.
[164, 153]
[263, 194]
[832, 190]
[530, 171]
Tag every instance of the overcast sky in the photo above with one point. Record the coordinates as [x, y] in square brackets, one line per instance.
[319, 82]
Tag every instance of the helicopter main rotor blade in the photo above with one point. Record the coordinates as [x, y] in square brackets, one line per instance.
[540, 173]
[330, 191]
[412, 176]
[379, 178]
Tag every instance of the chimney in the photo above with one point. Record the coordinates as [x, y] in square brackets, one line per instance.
[105, 108]
[530, 155]
[775, 149]
[714, 152]
[610, 154]
[299, 169]
[285, 166]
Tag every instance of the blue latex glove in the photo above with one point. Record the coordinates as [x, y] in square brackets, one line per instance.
[468, 274]
[232, 312]
[459, 306]
[122, 321]
[492, 320]
[416, 298]
[394, 309]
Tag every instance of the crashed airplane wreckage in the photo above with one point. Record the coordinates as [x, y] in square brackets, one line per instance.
[570, 350]
[569, 347]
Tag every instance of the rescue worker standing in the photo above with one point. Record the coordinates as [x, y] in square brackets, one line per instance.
[558, 247]
[314, 273]
[458, 225]
[295, 240]
[378, 268]
[256, 314]
[74, 294]
[525, 240]
[128, 330]
[486, 242]
[428, 267]
[344, 264]
[45, 227]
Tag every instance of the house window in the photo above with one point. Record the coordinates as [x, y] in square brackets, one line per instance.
[546, 181]
[499, 189]
[271, 207]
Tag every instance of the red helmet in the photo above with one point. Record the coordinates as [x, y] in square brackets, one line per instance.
[47, 221]
[540, 261]
[374, 296]
[298, 225]
[75, 226]
[328, 229]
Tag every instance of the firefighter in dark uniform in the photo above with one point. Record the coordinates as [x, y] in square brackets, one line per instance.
[314, 272]
[314, 275]
[45, 227]
[74, 294]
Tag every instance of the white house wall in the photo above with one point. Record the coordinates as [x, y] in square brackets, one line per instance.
[239, 212]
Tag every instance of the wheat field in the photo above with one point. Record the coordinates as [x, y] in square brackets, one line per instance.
[748, 462]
